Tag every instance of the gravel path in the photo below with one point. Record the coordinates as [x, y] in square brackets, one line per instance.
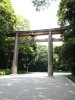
[36, 86]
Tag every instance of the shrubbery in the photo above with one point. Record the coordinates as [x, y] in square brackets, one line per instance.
[5, 72]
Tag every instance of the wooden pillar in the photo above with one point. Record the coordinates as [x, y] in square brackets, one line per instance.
[15, 56]
[50, 55]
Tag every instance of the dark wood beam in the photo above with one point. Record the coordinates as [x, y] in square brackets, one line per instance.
[59, 30]
[40, 40]
[36, 40]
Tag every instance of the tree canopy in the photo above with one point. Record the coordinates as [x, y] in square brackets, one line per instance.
[7, 17]
[22, 23]
[41, 4]
[41, 60]
[7, 23]
[66, 15]
[10, 22]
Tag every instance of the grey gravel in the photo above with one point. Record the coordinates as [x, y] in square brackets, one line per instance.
[36, 86]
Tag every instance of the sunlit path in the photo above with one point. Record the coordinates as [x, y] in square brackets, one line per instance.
[36, 86]
[35, 74]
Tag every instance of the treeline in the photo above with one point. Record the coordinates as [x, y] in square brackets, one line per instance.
[10, 22]
[66, 15]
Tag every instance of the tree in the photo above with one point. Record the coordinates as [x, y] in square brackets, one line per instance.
[7, 23]
[66, 15]
[22, 24]
[68, 55]
[57, 58]
[7, 17]
[41, 4]
[27, 51]
[41, 61]
[27, 54]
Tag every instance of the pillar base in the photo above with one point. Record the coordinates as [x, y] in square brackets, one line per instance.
[14, 70]
[50, 72]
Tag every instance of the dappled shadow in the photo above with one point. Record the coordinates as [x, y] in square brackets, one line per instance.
[36, 86]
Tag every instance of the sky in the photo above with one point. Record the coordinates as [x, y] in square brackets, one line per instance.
[44, 19]
[38, 20]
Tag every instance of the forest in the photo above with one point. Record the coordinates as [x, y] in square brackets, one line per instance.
[33, 57]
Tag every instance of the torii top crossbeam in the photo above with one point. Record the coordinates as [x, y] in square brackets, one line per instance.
[59, 30]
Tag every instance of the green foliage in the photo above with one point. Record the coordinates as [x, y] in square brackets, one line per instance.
[68, 55]
[66, 15]
[27, 51]
[5, 72]
[41, 4]
[72, 77]
[41, 61]
[27, 54]
[7, 17]
[57, 58]
[62, 12]
[7, 23]
[22, 24]
[2, 72]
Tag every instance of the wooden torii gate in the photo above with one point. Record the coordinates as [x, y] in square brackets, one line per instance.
[48, 32]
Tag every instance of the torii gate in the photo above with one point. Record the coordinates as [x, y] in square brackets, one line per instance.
[48, 32]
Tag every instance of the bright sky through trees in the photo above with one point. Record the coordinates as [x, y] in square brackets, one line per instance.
[38, 20]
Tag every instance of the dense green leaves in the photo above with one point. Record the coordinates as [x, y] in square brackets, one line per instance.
[68, 55]
[66, 15]
[41, 4]
[41, 61]
[7, 17]
[7, 23]
[22, 23]
[27, 54]
[62, 11]
[66, 12]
